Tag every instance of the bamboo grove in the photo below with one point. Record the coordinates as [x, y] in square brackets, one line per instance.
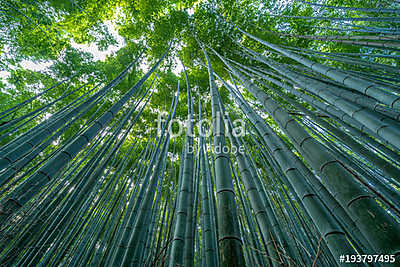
[288, 154]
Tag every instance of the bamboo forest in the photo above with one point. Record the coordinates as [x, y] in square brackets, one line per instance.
[206, 133]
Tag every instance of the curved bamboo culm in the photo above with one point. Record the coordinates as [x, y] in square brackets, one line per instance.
[351, 195]
[255, 199]
[209, 234]
[361, 29]
[179, 242]
[385, 166]
[381, 125]
[18, 165]
[353, 40]
[135, 245]
[352, 55]
[12, 153]
[342, 37]
[90, 183]
[8, 126]
[188, 258]
[381, 94]
[283, 238]
[374, 123]
[132, 231]
[386, 19]
[351, 60]
[11, 110]
[330, 202]
[229, 241]
[377, 10]
[210, 242]
[25, 192]
[353, 126]
[329, 228]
